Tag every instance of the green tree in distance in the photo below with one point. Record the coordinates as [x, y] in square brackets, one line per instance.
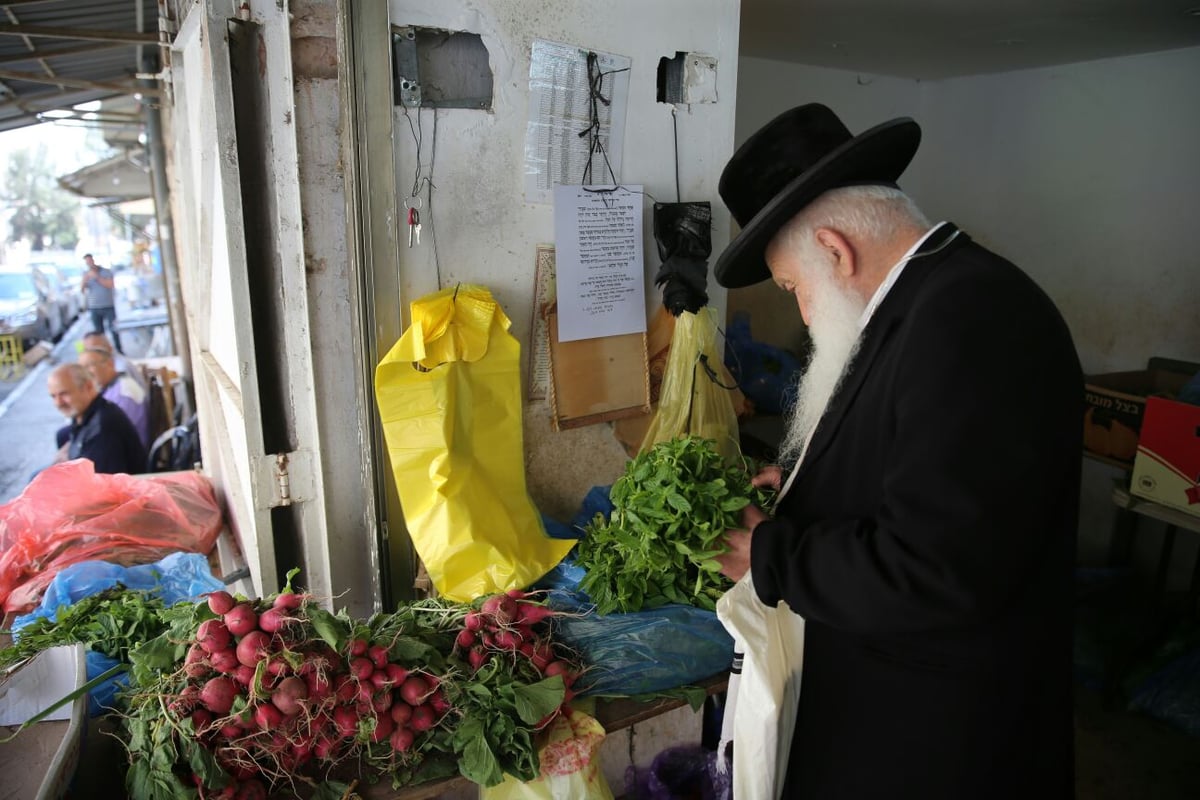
[40, 211]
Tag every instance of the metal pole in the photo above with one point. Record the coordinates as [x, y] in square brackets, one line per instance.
[166, 234]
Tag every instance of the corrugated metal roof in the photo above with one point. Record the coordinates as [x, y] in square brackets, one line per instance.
[56, 54]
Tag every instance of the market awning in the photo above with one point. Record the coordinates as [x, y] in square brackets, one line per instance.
[57, 54]
[122, 177]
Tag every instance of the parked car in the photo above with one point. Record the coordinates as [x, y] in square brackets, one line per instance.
[27, 308]
[64, 292]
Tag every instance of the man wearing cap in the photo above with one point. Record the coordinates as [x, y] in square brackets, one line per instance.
[926, 524]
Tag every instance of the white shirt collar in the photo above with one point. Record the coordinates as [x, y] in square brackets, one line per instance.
[892, 276]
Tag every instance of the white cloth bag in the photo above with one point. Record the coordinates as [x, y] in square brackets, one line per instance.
[760, 708]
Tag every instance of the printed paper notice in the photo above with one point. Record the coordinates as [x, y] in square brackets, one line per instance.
[563, 143]
[598, 261]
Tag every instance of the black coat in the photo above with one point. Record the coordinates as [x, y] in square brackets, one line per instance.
[107, 437]
[929, 542]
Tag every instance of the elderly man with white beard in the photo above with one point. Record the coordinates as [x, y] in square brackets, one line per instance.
[929, 486]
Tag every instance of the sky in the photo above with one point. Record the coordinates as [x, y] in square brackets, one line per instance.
[64, 144]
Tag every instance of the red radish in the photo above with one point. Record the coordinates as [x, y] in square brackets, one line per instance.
[567, 696]
[383, 728]
[437, 701]
[323, 747]
[401, 740]
[516, 594]
[414, 690]
[267, 717]
[213, 636]
[195, 654]
[532, 613]
[501, 607]
[289, 696]
[474, 621]
[380, 679]
[273, 620]
[253, 648]
[346, 721]
[225, 661]
[423, 719]
[241, 619]
[401, 712]
[358, 647]
[220, 602]
[361, 669]
[279, 668]
[526, 649]
[477, 657]
[201, 719]
[381, 702]
[378, 655]
[396, 674]
[560, 668]
[465, 639]
[366, 691]
[507, 640]
[231, 731]
[217, 695]
[243, 674]
[318, 685]
[197, 669]
[344, 689]
[289, 601]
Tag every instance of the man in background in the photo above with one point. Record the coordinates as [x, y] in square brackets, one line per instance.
[98, 430]
[100, 341]
[119, 389]
[98, 288]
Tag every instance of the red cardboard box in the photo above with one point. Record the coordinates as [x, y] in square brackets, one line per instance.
[1167, 467]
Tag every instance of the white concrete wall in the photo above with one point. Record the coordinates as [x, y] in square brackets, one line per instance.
[1086, 175]
[485, 231]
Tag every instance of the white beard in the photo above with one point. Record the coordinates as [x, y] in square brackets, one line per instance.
[835, 336]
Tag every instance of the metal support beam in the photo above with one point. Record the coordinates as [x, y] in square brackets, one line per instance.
[36, 55]
[166, 227]
[87, 34]
[76, 83]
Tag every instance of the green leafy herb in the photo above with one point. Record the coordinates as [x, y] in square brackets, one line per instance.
[671, 510]
[110, 622]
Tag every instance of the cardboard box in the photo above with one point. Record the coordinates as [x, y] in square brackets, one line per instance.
[1115, 404]
[40, 762]
[1167, 467]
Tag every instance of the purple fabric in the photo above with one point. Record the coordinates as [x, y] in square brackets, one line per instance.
[125, 393]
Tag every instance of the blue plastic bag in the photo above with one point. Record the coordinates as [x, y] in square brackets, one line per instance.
[644, 651]
[636, 653]
[764, 373]
[175, 578]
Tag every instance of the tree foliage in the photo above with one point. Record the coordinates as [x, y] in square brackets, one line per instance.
[39, 210]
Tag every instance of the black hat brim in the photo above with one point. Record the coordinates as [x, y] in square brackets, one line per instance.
[878, 155]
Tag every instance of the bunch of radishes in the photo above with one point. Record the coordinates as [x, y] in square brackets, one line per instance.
[267, 696]
[509, 626]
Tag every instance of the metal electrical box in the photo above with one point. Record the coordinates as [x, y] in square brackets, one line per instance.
[440, 69]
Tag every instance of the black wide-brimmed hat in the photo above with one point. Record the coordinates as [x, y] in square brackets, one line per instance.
[787, 164]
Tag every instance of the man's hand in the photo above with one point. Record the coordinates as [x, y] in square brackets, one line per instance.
[771, 477]
[736, 562]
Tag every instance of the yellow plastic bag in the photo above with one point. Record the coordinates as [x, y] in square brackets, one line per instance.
[570, 764]
[449, 396]
[696, 397]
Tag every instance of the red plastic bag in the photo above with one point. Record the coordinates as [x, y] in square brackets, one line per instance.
[69, 513]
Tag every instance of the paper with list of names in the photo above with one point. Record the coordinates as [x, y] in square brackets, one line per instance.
[598, 261]
[560, 108]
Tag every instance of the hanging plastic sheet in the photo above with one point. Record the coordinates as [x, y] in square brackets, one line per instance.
[449, 396]
[696, 396]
